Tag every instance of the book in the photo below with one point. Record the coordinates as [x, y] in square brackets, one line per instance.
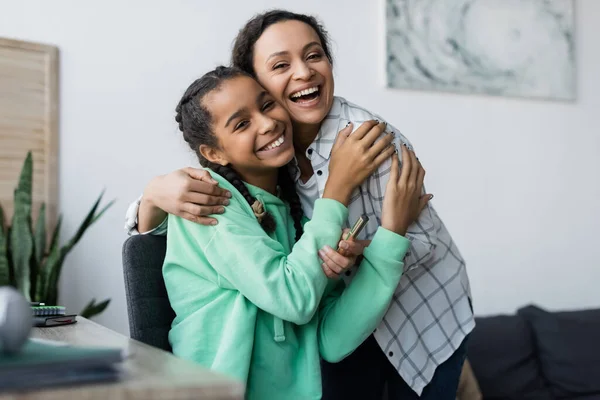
[54, 320]
[41, 364]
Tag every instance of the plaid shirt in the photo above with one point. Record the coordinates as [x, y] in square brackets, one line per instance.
[430, 313]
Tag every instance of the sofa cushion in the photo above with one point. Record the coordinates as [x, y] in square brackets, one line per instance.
[568, 345]
[501, 352]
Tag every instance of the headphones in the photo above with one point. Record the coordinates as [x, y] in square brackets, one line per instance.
[16, 320]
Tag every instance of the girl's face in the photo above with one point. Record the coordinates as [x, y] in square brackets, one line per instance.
[253, 131]
[291, 64]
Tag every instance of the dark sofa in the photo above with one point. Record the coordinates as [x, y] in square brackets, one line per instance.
[536, 354]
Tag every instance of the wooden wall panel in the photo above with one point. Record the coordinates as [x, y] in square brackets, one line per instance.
[29, 121]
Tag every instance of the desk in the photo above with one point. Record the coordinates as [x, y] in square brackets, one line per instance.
[150, 373]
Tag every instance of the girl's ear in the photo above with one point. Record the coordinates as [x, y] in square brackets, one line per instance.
[213, 155]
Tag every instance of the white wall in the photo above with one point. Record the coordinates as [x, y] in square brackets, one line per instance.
[516, 181]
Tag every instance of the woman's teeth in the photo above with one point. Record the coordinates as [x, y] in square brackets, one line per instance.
[304, 92]
[274, 144]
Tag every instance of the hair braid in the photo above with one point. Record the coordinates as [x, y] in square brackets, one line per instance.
[289, 194]
[267, 222]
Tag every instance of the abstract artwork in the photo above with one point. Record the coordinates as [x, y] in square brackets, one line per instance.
[517, 48]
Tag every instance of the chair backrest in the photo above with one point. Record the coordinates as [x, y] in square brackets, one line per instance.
[148, 307]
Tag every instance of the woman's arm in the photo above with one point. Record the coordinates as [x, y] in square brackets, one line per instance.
[192, 194]
[189, 193]
[289, 286]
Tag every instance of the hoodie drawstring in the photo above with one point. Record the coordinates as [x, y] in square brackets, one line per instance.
[278, 328]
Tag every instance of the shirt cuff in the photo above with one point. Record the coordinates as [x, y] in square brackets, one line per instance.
[131, 221]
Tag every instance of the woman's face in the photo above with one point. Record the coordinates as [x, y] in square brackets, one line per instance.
[253, 131]
[291, 64]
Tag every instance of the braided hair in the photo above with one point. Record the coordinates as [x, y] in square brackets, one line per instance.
[195, 122]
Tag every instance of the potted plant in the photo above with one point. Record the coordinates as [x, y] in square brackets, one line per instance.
[26, 261]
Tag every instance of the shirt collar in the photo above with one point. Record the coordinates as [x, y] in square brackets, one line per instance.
[330, 127]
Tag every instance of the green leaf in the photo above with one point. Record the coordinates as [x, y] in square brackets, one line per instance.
[90, 218]
[21, 237]
[11, 267]
[56, 265]
[4, 268]
[39, 245]
[94, 309]
[40, 235]
[46, 267]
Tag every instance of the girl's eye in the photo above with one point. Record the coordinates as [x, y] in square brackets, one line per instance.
[241, 125]
[268, 105]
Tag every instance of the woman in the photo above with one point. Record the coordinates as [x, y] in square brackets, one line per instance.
[245, 304]
[419, 347]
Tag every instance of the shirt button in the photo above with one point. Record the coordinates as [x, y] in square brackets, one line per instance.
[391, 353]
[319, 172]
[309, 151]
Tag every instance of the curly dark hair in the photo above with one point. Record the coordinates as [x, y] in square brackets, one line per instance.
[242, 55]
[195, 121]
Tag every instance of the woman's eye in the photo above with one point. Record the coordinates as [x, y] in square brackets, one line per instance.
[268, 105]
[279, 66]
[314, 56]
[241, 125]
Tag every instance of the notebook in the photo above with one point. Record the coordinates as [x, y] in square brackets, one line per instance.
[48, 310]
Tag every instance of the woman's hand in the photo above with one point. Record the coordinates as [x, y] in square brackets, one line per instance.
[403, 202]
[354, 157]
[336, 262]
[189, 193]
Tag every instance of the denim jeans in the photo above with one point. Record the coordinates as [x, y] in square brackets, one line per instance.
[364, 374]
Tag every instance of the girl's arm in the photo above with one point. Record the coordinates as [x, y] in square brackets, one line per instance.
[289, 286]
[348, 316]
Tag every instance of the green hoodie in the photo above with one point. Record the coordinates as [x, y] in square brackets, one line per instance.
[251, 307]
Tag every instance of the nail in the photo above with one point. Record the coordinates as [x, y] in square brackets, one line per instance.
[430, 197]
[228, 194]
[213, 181]
[377, 121]
[214, 222]
[404, 144]
[226, 202]
[344, 245]
[221, 210]
[321, 253]
[348, 124]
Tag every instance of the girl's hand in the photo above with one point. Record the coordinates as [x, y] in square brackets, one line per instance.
[337, 262]
[354, 157]
[403, 202]
[189, 193]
